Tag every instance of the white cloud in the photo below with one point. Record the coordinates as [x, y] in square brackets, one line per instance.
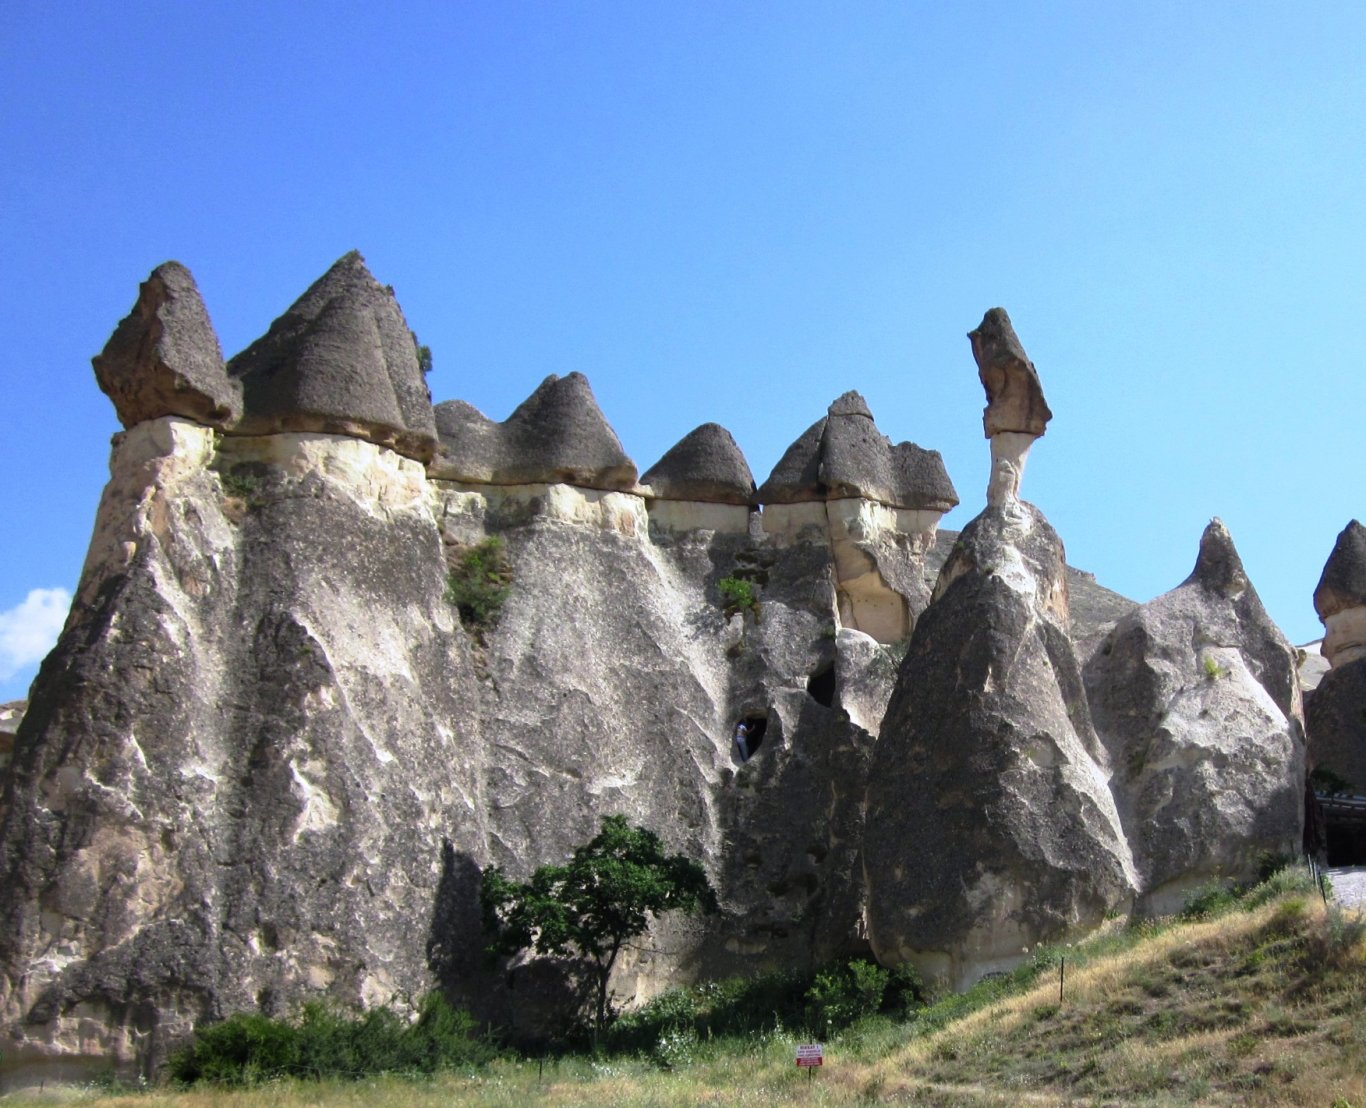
[30, 629]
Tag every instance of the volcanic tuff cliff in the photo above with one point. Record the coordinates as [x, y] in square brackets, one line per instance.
[266, 762]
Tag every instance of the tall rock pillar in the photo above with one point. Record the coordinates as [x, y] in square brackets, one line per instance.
[990, 826]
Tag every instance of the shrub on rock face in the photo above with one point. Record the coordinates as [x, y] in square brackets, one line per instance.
[479, 584]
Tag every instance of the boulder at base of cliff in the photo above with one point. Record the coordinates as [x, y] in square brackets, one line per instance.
[989, 825]
[1194, 695]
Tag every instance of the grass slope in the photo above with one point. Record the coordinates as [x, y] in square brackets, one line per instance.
[1264, 1006]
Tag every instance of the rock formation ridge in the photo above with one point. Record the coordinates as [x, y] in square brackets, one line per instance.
[266, 763]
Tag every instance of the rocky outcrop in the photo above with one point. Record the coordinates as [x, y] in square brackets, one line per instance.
[342, 361]
[705, 465]
[844, 455]
[557, 435]
[1016, 413]
[1336, 713]
[878, 503]
[164, 358]
[239, 765]
[989, 825]
[1196, 699]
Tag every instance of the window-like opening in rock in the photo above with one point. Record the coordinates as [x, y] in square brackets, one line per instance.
[821, 686]
[749, 735]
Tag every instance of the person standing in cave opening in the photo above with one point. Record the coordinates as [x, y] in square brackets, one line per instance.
[742, 740]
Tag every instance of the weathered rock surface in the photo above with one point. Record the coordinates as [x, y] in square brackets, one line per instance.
[705, 465]
[239, 764]
[164, 358]
[1340, 598]
[844, 455]
[557, 435]
[341, 360]
[989, 825]
[1015, 401]
[1195, 697]
[1335, 719]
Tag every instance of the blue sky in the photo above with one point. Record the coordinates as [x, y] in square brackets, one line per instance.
[731, 212]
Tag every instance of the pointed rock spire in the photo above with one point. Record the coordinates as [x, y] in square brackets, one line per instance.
[705, 465]
[164, 358]
[844, 455]
[341, 360]
[1343, 583]
[1218, 566]
[1016, 413]
[557, 435]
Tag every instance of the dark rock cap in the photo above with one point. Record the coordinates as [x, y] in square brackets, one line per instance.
[1014, 395]
[164, 358]
[1218, 566]
[341, 360]
[558, 434]
[844, 455]
[706, 464]
[1343, 584]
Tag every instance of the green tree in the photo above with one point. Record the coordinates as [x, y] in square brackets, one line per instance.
[591, 906]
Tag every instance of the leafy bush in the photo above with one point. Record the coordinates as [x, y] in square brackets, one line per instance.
[738, 595]
[249, 1048]
[242, 484]
[479, 583]
[842, 995]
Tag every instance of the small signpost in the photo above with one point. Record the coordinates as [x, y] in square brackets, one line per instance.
[809, 1056]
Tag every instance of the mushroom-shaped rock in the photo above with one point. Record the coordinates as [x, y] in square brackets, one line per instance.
[557, 435]
[989, 825]
[1340, 598]
[707, 465]
[1343, 583]
[844, 455]
[164, 358]
[341, 360]
[1014, 395]
[1195, 697]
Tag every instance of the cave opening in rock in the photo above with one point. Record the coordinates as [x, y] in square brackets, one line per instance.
[749, 735]
[820, 686]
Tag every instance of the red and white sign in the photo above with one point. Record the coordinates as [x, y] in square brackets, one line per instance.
[811, 1054]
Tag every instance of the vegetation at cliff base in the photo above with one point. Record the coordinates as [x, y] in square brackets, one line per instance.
[590, 906]
[1257, 996]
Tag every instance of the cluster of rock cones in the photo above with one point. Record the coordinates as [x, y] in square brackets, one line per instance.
[265, 762]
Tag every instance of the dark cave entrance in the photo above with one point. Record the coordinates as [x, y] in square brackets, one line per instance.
[1345, 817]
[749, 735]
[820, 686]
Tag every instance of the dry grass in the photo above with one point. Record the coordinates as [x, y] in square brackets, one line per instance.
[1266, 1007]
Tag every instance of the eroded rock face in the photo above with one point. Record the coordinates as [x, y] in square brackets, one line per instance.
[164, 358]
[557, 435]
[232, 786]
[1195, 697]
[705, 465]
[1340, 598]
[342, 361]
[989, 825]
[1336, 725]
